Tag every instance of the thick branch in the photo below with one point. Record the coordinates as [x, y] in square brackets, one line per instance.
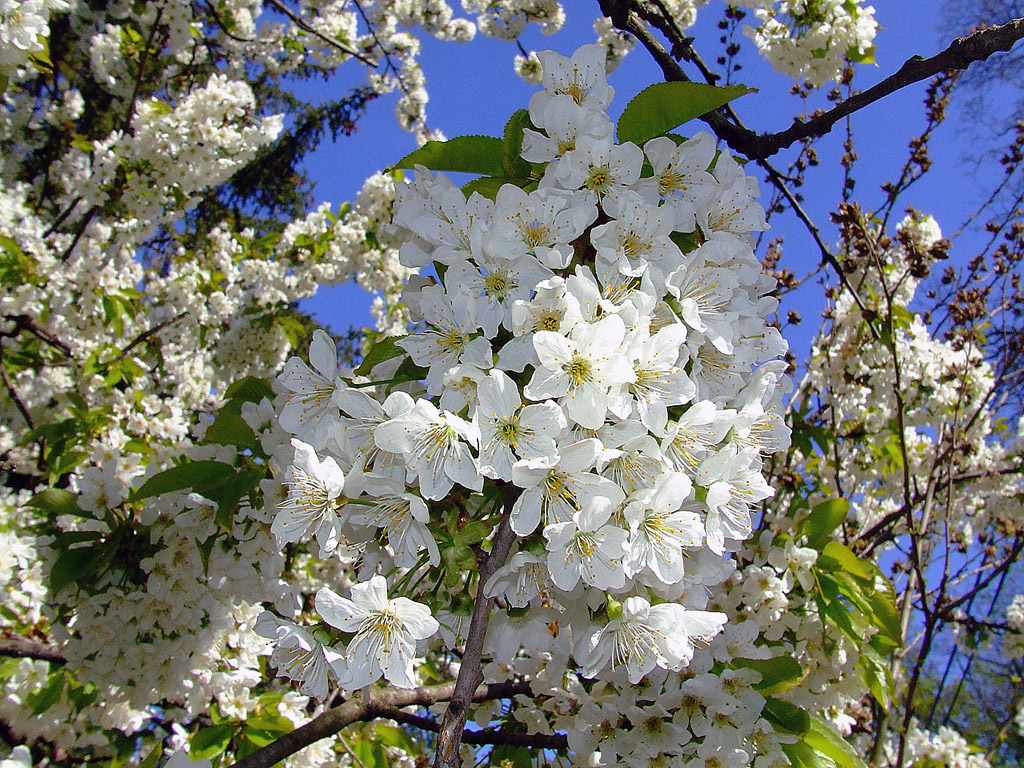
[961, 53]
[23, 648]
[453, 722]
[382, 703]
[486, 736]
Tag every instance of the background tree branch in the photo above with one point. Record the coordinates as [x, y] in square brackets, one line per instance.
[961, 53]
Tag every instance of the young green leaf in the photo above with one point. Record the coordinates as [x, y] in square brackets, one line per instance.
[488, 186]
[823, 519]
[778, 674]
[661, 107]
[465, 154]
[821, 738]
[191, 474]
[57, 501]
[786, 716]
[210, 742]
[383, 350]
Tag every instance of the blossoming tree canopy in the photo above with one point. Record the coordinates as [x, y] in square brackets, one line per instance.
[557, 496]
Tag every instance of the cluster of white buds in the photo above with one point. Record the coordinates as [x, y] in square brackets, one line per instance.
[591, 358]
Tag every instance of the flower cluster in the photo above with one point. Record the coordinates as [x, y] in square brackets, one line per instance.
[590, 365]
[812, 41]
[24, 29]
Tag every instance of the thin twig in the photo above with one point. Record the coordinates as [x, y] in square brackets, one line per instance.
[143, 60]
[351, 752]
[145, 335]
[18, 402]
[302, 24]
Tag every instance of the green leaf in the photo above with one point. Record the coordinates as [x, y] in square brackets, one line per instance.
[135, 445]
[397, 738]
[231, 429]
[364, 751]
[823, 519]
[188, 475]
[464, 154]
[778, 674]
[259, 737]
[41, 700]
[519, 757]
[661, 107]
[512, 146]
[271, 722]
[840, 616]
[785, 716]
[385, 349]
[80, 695]
[488, 186]
[876, 675]
[57, 501]
[226, 492]
[803, 756]
[251, 389]
[82, 143]
[867, 56]
[73, 565]
[824, 740]
[885, 615]
[210, 742]
[154, 756]
[838, 557]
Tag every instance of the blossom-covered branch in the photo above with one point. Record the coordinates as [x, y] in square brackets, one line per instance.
[379, 703]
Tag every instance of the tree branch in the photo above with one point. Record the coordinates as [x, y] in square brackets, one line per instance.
[486, 736]
[305, 26]
[382, 703]
[453, 722]
[23, 648]
[961, 53]
[146, 335]
[26, 323]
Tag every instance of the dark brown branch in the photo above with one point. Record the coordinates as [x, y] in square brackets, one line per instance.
[827, 257]
[961, 53]
[18, 402]
[143, 60]
[382, 703]
[23, 648]
[486, 736]
[26, 323]
[446, 754]
[884, 522]
[145, 335]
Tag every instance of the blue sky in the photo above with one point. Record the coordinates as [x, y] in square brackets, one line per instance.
[473, 90]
